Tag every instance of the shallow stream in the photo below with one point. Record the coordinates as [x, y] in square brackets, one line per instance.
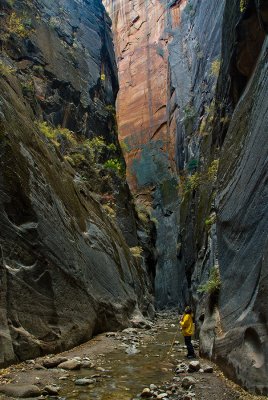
[126, 375]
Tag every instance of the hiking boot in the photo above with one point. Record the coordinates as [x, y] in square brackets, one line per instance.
[191, 356]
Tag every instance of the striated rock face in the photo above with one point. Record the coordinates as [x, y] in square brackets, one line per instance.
[212, 116]
[218, 64]
[146, 125]
[66, 271]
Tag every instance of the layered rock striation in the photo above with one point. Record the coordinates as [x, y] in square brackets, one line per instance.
[66, 270]
[212, 114]
[146, 128]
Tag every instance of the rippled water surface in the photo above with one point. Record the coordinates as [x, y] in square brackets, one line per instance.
[126, 375]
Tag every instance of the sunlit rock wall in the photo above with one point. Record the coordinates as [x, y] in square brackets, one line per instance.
[145, 131]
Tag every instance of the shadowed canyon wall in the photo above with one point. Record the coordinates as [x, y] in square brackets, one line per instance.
[212, 117]
[66, 269]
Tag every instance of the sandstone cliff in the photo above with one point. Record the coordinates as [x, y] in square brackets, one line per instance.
[212, 117]
[66, 270]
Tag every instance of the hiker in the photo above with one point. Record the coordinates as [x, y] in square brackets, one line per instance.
[187, 327]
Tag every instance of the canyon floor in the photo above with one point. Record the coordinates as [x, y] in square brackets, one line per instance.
[132, 364]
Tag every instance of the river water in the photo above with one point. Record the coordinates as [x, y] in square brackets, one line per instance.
[126, 375]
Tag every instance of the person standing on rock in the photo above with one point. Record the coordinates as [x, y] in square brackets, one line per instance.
[187, 328]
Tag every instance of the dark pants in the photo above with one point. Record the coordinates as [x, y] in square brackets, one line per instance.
[189, 345]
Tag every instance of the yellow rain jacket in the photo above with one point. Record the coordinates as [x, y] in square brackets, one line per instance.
[187, 325]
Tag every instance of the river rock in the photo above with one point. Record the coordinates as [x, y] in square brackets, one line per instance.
[153, 387]
[54, 362]
[146, 393]
[87, 364]
[132, 350]
[194, 366]
[51, 390]
[188, 396]
[70, 365]
[85, 381]
[208, 369]
[162, 396]
[187, 382]
[21, 391]
[130, 330]
[111, 334]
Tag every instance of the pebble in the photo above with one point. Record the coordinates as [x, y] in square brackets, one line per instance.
[208, 369]
[162, 395]
[153, 387]
[84, 382]
[146, 393]
[187, 382]
[52, 390]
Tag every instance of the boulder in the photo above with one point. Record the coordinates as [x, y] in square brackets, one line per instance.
[54, 362]
[21, 391]
[70, 365]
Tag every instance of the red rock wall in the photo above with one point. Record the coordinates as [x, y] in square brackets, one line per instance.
[141, 49]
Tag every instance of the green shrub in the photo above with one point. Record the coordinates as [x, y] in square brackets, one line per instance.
[109, 210]
[136, 251]
[213, 284]
[28, 87]
[125, 146]
[213, 170]
[115, 164]
[56, 134]
[211, 220]
[243, 5]
[215, 67]
[6, 70]
[17, 26]
[75, 159]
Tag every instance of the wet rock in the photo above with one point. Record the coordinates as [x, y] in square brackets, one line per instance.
[39, 367]
[208, 369]
[194, 366]
[188, 396]
[146, 393]
[153, 387]
[30, 362]
[132, 350]
[130, 330]
[63, 378]
[51, 390]
[111, 334]
[87, 364]
[53, 362]
[85, 382]
[187, 382]
[162, 396]
[21, 391]
[70, 365]
[181, 368]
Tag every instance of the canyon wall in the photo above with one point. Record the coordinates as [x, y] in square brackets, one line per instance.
[213, 121]
[146, 129]
[67, 219]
